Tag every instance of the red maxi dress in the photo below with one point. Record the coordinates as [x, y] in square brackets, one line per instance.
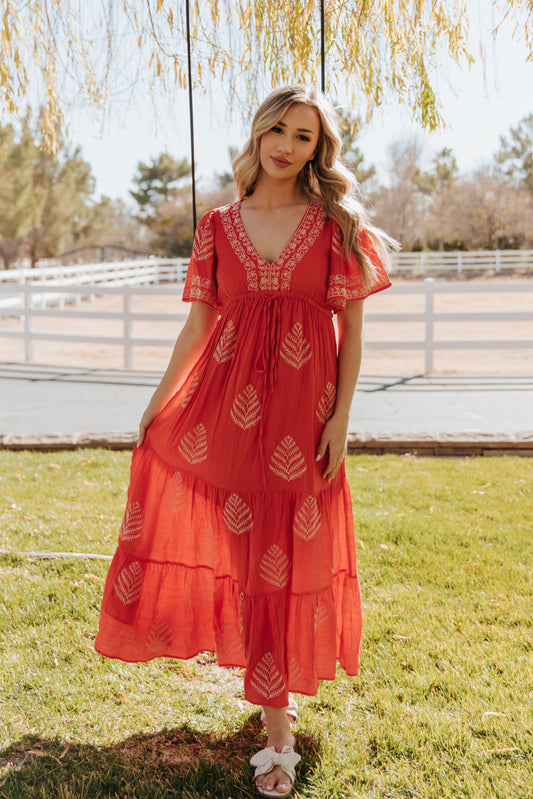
[232, 541]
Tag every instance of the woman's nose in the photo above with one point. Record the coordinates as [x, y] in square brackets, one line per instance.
[285, 145]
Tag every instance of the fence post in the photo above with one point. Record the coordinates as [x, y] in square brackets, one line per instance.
[459, 262]
[128, 351]
[498, 260]
[429, 283]
[28, 326]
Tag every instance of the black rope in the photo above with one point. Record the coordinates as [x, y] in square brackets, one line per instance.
[191, 113]
[322, 46]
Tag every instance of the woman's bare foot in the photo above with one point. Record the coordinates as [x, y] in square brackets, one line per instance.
[279, 735]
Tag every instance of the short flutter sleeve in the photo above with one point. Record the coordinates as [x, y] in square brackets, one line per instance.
[201, 284]
[345, 281]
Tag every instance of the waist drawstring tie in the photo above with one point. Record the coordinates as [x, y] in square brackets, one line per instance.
[267, 361]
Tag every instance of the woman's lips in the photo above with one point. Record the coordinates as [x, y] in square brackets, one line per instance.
[280, 161]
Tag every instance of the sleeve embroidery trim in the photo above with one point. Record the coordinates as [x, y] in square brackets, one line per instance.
[342, 288]
[346, 283]
[203, 289]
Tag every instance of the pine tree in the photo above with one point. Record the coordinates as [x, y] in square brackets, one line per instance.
[45, 197]
[158, 182]
[515, 156]
[66, 181]
[21, 200]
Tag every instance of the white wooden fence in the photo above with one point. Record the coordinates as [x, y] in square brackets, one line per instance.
[30, 310]
[494, 260]
[134, 272]
[159, 270]
[131, 273]
[31, 299]
[429, 288]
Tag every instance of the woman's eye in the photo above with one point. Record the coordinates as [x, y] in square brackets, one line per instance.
[304, 138]
[277, 129]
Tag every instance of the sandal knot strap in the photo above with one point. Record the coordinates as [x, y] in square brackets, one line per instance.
[268, 758]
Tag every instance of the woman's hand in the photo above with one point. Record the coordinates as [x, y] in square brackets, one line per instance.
[146, 420]
[189, 346]
[333, 441]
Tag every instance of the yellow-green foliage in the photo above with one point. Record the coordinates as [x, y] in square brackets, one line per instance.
[70, 49]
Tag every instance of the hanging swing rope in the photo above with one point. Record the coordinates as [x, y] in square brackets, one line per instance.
[322, 46]
[189, 86]
[191, 112]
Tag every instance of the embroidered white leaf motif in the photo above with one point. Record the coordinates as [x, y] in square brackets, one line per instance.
[193, 445]
[326, 403]
[237, 515]
[190, 391]
[296, 350]
[287, 461]
[160, 635]
[266, 679]
[229, 642]
[321, 614]
[204, 243]
[131, 523]
[294, 668]
[246, 410]
[307, 520]
[274, 567]
[175, 492]
[128, 585]
[336, 242]
[225, 348]
[242, 599]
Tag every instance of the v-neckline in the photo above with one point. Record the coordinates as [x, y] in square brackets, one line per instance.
[287, 244]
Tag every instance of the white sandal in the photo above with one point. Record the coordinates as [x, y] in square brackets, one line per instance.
[292, 712]
[267, 759]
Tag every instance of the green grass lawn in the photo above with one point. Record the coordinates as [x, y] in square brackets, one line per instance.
[443, 706]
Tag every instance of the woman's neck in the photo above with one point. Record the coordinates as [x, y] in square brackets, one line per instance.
[270, 193]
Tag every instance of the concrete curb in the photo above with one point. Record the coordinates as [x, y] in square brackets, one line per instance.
[442, 444]
[419, 444]
[48, 442]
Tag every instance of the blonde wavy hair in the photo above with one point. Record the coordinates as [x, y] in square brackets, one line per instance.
[324, 180]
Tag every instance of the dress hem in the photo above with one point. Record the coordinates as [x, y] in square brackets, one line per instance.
[292, 688]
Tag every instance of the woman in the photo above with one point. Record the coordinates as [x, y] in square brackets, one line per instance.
[238, 532]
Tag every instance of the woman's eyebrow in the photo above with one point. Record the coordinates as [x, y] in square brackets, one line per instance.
[303, 130]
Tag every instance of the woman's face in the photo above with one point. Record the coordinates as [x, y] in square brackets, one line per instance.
[290, 143]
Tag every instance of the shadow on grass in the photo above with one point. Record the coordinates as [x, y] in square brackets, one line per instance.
[172, 763]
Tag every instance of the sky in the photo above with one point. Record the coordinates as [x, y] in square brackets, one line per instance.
[479, 105]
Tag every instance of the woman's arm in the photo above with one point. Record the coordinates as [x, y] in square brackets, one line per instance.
[333, 438]
[189, 346]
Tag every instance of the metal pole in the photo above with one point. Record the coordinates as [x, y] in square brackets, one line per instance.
[191, 113]
[322, 46]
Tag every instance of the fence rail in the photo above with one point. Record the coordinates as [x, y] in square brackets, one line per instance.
[458, 261]
[27, 310]
[148, 271]
[134, 272]
[429, 288]
[29, 297]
